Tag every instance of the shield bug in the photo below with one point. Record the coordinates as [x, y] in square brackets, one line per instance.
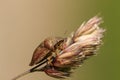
[45, 50]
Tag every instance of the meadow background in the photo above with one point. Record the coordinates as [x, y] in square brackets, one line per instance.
[25, 23]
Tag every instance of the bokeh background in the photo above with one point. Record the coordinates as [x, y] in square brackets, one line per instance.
[25, 23]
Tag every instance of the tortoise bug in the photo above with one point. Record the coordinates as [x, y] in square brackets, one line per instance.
[45, 50]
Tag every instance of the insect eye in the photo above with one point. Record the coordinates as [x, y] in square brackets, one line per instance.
[58, 44]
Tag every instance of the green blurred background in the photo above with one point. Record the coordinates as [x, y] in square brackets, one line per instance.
[25, 23]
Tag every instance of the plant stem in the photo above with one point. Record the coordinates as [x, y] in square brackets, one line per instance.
[34, 68]
[20, 75]
[30, 70]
